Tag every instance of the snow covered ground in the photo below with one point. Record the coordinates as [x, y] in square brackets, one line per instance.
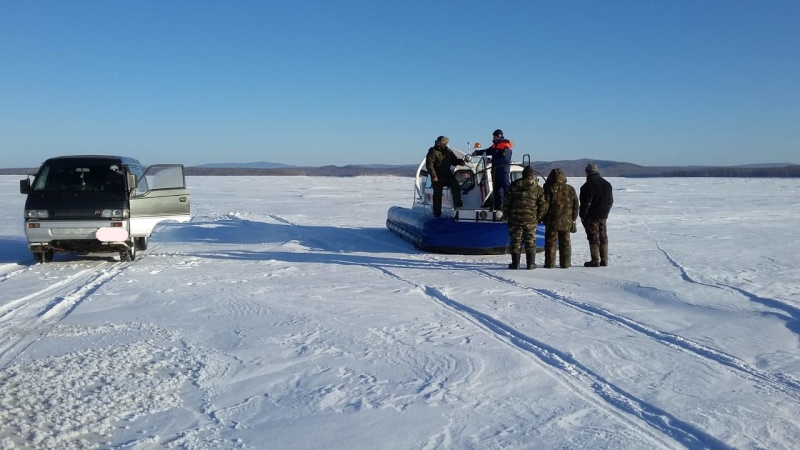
[286, 315]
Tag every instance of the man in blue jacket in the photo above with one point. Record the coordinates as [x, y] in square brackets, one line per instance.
[500, 151]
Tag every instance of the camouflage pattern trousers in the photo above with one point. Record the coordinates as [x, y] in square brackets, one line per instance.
[551, 236]
[596, 231]
[522, 233]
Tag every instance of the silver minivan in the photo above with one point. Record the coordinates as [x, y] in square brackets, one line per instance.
[100, 204]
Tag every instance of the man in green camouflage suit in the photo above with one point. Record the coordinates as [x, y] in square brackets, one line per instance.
[438, 161]
[562, 212]
[524, 207]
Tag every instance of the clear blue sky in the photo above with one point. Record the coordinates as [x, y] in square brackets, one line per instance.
[678, 82]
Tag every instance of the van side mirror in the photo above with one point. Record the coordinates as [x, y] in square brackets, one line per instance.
[25, 186]
[131, 181]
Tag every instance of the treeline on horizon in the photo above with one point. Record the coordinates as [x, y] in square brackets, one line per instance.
[571, 168]
[730, 172]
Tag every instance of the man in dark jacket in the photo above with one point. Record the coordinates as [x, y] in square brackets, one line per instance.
[596, 201]
[500, 151]
[438, 162]
[524, 209]
[562, 212]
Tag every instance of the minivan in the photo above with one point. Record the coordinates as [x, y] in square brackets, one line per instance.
[100, 204]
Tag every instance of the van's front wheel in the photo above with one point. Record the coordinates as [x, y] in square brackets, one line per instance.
[45, 256]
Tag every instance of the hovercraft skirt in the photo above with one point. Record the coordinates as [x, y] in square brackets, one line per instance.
[446, 235]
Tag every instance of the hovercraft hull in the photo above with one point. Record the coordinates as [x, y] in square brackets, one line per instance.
[447, 235]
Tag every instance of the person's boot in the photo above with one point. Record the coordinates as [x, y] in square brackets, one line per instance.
[549, 257]
[530, 258]
[604, 254]
[565, 257]
[514, 261]
[595, 252]
[457, 203]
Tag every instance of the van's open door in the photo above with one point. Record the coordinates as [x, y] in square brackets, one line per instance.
[159, 195]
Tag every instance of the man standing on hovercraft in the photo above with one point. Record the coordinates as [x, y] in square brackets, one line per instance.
[500, 151]
[438, 161]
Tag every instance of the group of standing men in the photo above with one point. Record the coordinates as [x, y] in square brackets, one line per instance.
[558, 206]
[525, 204]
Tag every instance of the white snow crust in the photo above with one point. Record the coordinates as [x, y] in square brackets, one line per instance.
[286, 315]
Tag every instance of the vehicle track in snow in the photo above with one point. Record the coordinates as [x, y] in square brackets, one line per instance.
[635, 413]
[657, 425]
[792, 310]
[781, 383]
[9, 271]
[25, 319]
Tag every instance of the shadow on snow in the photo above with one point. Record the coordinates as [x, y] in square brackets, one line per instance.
[231, 230]
[14, 249]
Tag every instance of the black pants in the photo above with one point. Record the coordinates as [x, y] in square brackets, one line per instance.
[455, 189]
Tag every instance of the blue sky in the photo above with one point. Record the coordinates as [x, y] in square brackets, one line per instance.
[354, 82]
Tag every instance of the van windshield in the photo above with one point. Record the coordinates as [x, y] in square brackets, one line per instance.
[80, 176]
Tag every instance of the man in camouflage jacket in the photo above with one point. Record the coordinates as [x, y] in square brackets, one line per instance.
[524, 208]
[562, 212]
[438, 161]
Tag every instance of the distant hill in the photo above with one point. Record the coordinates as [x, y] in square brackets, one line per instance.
[576, 168]
[573, 168]
[252, 165]
[764, 166]
[323, 171]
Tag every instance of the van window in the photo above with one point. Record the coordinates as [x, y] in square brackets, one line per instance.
[141, 184]
[80, 176]
[161, 177]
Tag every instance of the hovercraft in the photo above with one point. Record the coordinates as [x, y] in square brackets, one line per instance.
[477, 228]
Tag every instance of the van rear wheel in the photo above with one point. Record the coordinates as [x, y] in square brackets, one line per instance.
[128, 254]
[140, 243]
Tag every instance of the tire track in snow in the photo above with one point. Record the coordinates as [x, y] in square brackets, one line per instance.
[61, 307]
[781, 383]
[11, 270]
[580, 378]
[791, 310]
[13, 306]
[24, 320]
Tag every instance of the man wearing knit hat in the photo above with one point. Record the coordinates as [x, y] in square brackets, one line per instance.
[596, 201]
